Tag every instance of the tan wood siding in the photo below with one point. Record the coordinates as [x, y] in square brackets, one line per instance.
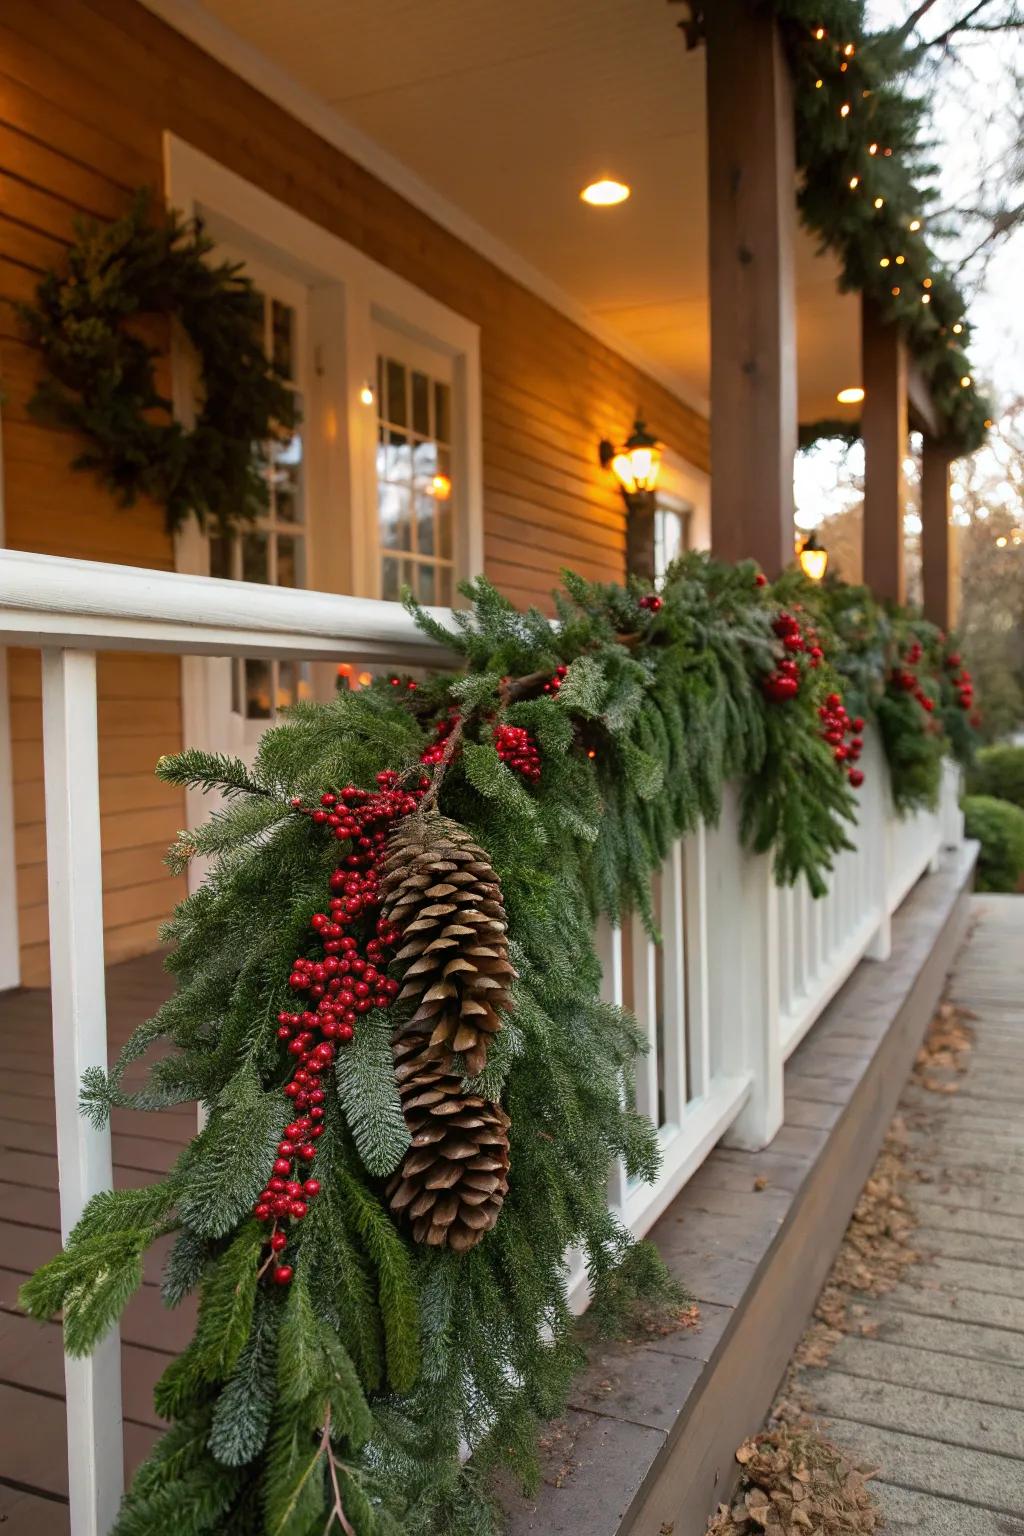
[87, 88]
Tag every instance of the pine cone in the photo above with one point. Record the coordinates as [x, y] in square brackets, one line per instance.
[439, 888]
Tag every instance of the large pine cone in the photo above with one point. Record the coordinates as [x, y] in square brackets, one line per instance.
[439, 888]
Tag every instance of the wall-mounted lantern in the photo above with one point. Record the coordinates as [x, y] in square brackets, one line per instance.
[813, 557]
[635, 466]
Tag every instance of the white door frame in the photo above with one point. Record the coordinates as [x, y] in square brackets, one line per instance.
[10, 955]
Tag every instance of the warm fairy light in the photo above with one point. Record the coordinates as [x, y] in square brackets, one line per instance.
[843, 68]
[886, 151]
[965, 381]
[819, 33]
[844, 110]
[854, 183]
[900, 260]
[366, 395]
[926, 298]
[365, 679]
[605, 193]
[897, 291]
[849, 50]
[879, 202]
[818, 84]
[344, 669]
[957, 328]
[914, 225]
[872, 149]
[884, 261]
[927, 282]
[988, 421]
[1001, 541]
[440, 487]
[591, 752]
[851, 396]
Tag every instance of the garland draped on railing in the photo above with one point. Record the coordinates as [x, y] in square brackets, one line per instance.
[377, 1211]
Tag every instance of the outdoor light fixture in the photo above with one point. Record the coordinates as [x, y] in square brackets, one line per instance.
[605, 193]
[813, 557]
[852, 396]
[635, 466]
[366, 395]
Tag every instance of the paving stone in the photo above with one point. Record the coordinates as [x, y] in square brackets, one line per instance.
[929, 1466]
[931, 1370]
[802, 1110]
[926, 1515]
[996, 1252]
[698, 1343]
[968, 1198]
[962, 1303]
[969, 1223]
[953, 1420]
[592, 1467]
[640, 1385]
[959, 1340]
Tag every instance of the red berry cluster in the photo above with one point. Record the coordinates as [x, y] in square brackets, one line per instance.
[836, 726]
[407, 683]
[517, 747]
[652, 603]
[443, 728]
[964, 683]
[344, 984]
[907, 681]
[554, 682]
[760, 579]
[784, 682]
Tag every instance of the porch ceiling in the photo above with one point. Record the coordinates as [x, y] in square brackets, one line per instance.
[508, 111]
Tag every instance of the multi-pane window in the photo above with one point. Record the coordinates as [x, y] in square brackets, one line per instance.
[415, 490]
[671, 531]
[272, 549]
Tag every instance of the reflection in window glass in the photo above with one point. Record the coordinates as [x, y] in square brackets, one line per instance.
[272, 550]
[671, 531]
[415, 490]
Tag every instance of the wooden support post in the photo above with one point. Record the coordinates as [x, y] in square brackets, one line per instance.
[884, 423]
[938, 549]
[752, 213]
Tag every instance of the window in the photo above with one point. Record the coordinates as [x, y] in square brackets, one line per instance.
[273, 549]
[671, 531]
[417, 493]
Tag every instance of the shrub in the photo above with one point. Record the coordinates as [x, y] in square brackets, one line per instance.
[999, 827]
[999, 771]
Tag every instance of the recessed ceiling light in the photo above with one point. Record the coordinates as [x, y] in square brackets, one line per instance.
[851, 396]
[605, 194]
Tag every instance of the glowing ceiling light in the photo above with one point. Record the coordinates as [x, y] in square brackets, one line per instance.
[605, 193]
[851, 396]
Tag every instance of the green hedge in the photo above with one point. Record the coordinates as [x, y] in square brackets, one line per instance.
[999, 827]
[999, 771]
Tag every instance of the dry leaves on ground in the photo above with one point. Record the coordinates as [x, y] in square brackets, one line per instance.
[795, 1483]
[946, 1050]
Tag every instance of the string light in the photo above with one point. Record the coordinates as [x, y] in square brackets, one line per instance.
[849, 50]
[900, 260]
[1001, 541]
[872, 149]
[844, 110]
[884, 261]
[914, 225]
[926, 298]
[819, 33]
[366, 395]
[886, 151]
[957, 328]
[897, 291]
[843, 68]
[818, 84]
[965, 381]
[854, 183]
[879, 202]
[988, 421]
[926, 283]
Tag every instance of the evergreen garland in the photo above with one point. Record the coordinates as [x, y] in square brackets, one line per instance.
[859, 141]
[90, 326]
[567, 759]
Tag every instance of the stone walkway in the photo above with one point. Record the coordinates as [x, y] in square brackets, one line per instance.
[935, 1399]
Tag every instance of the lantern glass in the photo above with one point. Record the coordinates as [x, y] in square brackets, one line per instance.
[813, 559]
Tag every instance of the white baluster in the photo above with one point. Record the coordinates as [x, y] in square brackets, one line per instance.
[695, 874]
[71, 772]
[673, 963]
[608, 943]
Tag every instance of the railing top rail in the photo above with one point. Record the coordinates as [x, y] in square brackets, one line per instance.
[47, 600]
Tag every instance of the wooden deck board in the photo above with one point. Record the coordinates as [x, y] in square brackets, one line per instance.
[33, 1448]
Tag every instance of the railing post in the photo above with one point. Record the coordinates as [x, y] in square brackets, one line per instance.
[71, 772]
[743, 947]
[875, 814]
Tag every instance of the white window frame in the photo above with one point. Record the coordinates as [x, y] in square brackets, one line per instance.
[349, 296]
[683, 481]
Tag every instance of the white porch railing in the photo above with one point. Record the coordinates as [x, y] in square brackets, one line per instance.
[744, 971]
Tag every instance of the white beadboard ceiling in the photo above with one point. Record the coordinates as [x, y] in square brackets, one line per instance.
[507, 110]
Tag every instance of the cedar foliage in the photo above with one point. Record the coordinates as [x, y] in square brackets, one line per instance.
[353, 1389]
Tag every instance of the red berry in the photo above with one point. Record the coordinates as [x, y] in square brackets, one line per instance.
[312, 1187]
[760, 580]
[855, 777]
[278, 1242]
[282, 1165]
[283, 1274]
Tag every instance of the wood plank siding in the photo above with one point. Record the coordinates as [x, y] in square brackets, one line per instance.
[87, 89]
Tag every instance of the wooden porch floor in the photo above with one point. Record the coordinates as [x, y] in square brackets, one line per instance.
[33, 1442]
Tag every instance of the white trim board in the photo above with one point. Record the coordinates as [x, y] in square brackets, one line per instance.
[196, 23]
[10, 956]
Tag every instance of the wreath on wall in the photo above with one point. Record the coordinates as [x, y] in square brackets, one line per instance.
[91, 324]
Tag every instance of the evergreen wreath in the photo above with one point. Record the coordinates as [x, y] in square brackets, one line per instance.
[388, 1003]
[90, 323]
